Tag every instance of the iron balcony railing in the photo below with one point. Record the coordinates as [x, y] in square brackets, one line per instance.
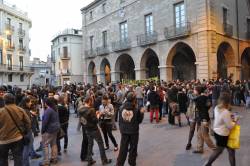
[90, 53]
[9, 27]
[65, 72]
[104, 50]
[10, 47]
[147, 38]
[65, 57]
[175, 32]
[228, 29]
[121, 45]
[15, 68]
[21, 32]
[21, 49]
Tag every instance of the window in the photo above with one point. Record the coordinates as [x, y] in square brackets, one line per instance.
[104, 8]
[248, 25]
[104, 38]
[21, 43]
[91, 40]
[91, 15]
[180, 15]
[20, 26]
[149, 24]
[1, 56]
[10, 78]
[21, 62]
[21, 78]
[65, 52]
[59, 51]
[225, 13]
[65, 39]
[8, 21]
[9, 41]
[9, 61]
[124, 31]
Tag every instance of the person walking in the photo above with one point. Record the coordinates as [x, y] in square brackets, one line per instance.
[50, 129]
[223, 124]
[106, 112]
[11, 135]
[129, 119]
[154, 100]
[89, 119]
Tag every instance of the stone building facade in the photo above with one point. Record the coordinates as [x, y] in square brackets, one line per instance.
[66, 56]
[173, 39]
[14, 46]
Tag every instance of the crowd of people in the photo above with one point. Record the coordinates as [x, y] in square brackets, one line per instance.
[206, 105]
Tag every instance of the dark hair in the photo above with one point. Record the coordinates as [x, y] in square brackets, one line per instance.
[23, 103]
[105, 97]
[9, 98]
[224, 100]
[87, 99]
[51, 103]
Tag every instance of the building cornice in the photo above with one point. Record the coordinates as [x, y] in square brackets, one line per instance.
[91, 5]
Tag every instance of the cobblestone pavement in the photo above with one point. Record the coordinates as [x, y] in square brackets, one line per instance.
[159, 145]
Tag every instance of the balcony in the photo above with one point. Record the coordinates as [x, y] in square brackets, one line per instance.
[65, 72]
[4, 68]
[65, 57]
[173, 32]
[21, 32]
[147, 38]
[100, 51]
[228, 29]
[90, 53]
[10, 47]
[21, 49]
[9, 28]
[121, 45]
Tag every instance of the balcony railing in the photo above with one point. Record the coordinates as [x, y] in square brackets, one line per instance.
[65, 72]
[100, 51]
[15, 68]
[10, 47]
[121, 45]
[228, 29]
[147, 38]
[21, 49]
[90, 53]
[9, 27]
[175, 32]
[65, 57]
[21, 32]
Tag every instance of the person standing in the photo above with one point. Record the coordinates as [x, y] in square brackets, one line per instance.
[154, 99]
[139, 95]
[106, 112]
[11, 136]
[64, 123]
[90, 120]
[50, 129]
[129, 119]
[223, 124]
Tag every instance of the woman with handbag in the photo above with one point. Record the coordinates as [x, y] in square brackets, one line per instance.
[223, 124]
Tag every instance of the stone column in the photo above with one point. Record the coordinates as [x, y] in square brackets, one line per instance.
[163, 72]
[115, 76]
[140, 73]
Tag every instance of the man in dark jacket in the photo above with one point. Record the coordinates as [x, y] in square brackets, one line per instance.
[129, 119]
[89, 119]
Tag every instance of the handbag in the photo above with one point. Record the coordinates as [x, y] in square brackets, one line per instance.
[26, 138]
[60, 134]
[234, 138]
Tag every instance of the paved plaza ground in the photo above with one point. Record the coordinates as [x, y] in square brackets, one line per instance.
[159, 145]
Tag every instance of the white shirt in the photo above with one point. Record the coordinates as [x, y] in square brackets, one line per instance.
[223, 122]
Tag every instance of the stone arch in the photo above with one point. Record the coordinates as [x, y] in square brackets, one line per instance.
[105, 71]
[124, 67]
[245, 64]
[92, 78]
[181, 62]
[225, 60]
[149, 64]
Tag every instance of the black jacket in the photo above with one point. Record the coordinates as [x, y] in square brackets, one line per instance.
[203, 104]
[154, 99]
[63, 114]
[132, 126]
[88, 118]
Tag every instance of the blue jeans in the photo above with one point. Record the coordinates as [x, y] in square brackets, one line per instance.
[16, 149]
[27, 150]
[140, 102]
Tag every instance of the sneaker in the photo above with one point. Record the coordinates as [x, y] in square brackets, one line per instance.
[53, 161]
[107, 161]
[198, 151]
[116, 149]
[65, 150]
[188, 147]
[59, 153]
[91, 162]
[35, 156]
[107, 148]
